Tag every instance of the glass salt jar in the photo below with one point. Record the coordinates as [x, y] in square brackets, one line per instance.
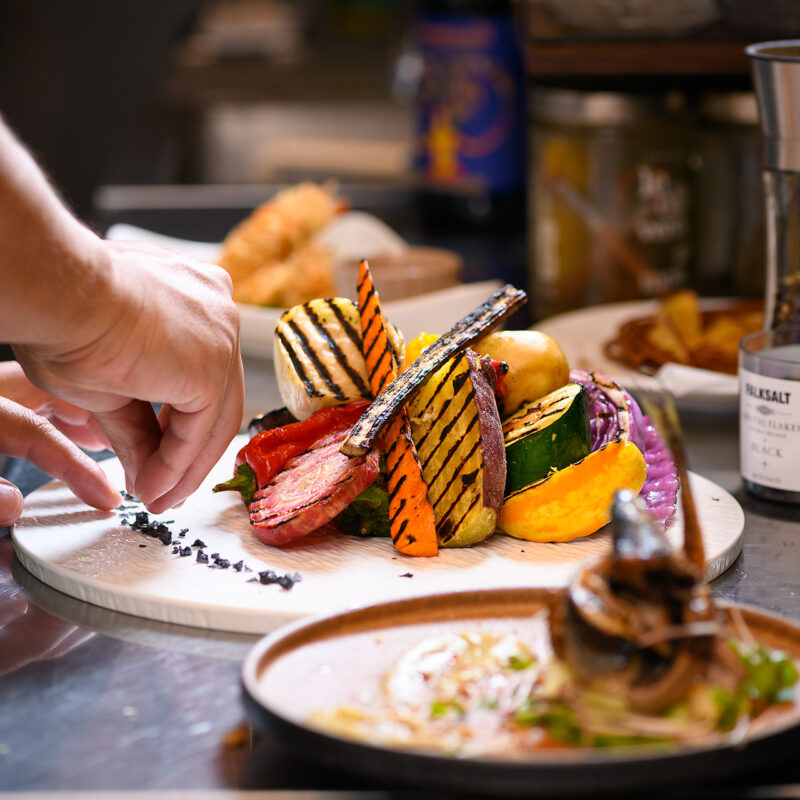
[769, 413]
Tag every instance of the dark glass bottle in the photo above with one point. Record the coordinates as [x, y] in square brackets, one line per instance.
[470, 121]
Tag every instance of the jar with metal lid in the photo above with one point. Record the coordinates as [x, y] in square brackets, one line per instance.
[609, 197]
[728, 196]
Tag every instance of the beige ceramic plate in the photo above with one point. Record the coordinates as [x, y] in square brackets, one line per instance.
[334, 660]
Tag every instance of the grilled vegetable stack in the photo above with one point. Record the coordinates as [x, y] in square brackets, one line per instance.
[456, 426]
[447, 459]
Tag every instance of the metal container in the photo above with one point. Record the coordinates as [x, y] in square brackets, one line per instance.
[776, 74]
[609, 197]
[728, 196]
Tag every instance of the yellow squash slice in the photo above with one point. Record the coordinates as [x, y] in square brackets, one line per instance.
[574, 501]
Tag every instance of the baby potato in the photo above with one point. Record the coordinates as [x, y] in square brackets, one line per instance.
[536, 365]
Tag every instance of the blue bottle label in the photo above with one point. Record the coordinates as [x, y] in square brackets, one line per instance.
[470, 117]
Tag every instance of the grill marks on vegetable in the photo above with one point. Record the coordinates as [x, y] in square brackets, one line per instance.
[471, 327]
[322, 342]
[311, 390]
[281, 517]
[339, 354]
[312, 489]
[446, 424]
[408, 502]
[315, 360]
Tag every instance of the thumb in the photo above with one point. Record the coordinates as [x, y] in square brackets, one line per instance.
[10, 503]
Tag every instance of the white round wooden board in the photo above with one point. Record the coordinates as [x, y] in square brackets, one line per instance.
[91, 555]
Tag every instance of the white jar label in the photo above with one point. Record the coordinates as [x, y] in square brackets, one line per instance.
[769, 431]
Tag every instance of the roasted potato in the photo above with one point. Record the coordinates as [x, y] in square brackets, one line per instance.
[536, 365]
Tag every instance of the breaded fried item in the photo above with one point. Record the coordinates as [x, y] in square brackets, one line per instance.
[307, 273]
[277, 228]
[662, 336]
[681, 312]
[683, 333]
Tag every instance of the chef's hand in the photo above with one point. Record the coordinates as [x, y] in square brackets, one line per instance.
[165, 329]
[112, 326]
[41, 428]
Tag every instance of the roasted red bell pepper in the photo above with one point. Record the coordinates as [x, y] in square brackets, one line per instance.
[265, 455]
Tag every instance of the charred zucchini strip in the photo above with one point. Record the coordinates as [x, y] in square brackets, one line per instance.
[471, 327]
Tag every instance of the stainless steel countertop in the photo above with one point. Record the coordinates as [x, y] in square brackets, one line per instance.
[96, 700]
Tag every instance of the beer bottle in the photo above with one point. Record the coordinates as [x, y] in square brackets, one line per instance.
[470, 124]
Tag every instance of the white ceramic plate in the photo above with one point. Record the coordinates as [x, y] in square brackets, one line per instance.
[583, 334]
[90, 555]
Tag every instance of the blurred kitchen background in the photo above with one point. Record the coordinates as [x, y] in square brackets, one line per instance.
[640, 170]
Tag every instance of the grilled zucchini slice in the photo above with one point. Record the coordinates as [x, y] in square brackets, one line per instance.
[456, 428]
[318, 358]
[547, 435]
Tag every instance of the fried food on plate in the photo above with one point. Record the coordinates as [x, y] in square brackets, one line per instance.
[269, 255]
[683, 332]
[307, 273]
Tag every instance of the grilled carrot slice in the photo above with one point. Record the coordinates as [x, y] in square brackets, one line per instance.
[411, 520]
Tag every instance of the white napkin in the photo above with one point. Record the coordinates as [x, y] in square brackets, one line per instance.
[700, 388]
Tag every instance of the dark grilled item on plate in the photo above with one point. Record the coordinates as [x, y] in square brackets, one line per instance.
[468, 329]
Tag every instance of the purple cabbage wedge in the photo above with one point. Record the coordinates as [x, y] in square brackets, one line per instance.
[614, 414]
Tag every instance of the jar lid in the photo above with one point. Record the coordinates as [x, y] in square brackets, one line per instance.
[737, 108]
[575, 107]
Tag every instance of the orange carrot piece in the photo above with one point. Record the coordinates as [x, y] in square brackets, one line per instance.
[411, 521]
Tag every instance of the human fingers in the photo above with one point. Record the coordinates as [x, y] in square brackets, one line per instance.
[13, 381]
[134, 434]
[24, 434]
[226, 426]
[10, 503]
[88, 434]
[15, 386]
[74, 422]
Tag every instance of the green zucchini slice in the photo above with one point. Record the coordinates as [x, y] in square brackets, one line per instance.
[549, 434]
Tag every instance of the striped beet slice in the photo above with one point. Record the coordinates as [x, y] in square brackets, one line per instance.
[310, 491]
